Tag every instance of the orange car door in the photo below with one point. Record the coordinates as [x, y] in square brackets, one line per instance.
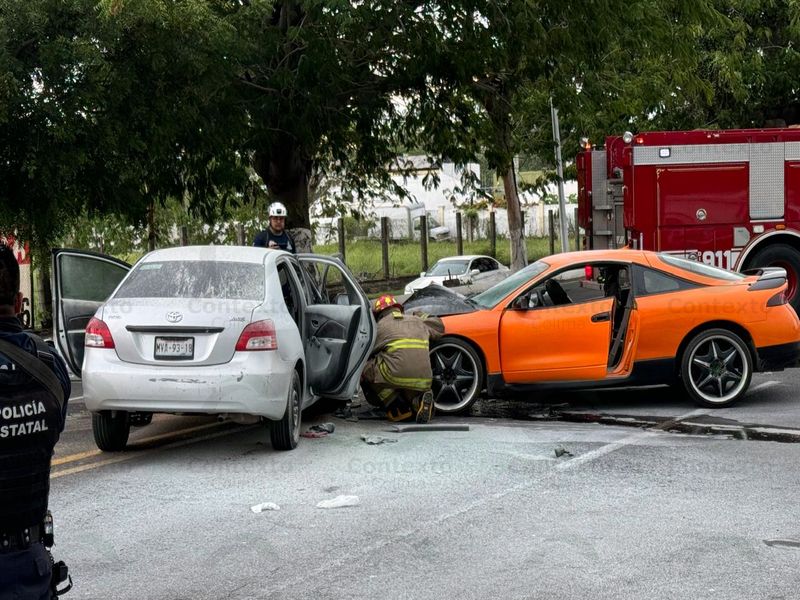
[568, 342]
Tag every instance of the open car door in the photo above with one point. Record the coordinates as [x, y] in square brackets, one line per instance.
[82, 281]
[338, 328]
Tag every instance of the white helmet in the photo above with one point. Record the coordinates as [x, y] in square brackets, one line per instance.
[277, 209]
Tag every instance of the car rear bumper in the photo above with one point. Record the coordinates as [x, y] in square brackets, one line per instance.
[777, 358]
[254, 383]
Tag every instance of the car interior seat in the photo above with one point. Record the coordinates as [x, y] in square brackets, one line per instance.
[556, 292]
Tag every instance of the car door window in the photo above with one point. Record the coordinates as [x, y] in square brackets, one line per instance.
[88, 279]
[331, 287]
[288, 290]
[584, 283]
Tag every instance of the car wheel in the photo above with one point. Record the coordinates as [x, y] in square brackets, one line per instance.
[111, 430]
[286, 432]
[457, 375]
[716, 368]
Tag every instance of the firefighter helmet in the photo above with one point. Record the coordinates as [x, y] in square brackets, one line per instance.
[277, 209]
[384, 302]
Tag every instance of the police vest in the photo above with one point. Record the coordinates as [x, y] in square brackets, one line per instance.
[29, 429]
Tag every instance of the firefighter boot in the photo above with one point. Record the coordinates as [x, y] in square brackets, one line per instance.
[424, 407]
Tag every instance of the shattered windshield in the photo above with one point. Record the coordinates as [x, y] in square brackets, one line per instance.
[494, 294]
[195, 279]
[448, 267]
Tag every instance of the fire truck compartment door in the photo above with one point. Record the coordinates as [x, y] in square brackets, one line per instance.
[702, 195]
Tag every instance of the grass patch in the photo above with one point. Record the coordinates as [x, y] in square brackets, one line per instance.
[363, 257]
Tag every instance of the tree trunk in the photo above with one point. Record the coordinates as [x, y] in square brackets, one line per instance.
[285, 172]
[519, 253]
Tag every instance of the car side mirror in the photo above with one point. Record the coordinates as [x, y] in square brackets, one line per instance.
[342, 300]
[475, 272]
[422, 273]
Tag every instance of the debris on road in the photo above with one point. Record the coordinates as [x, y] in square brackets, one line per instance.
[561, 451]
[374, 440]
[259, 508]
[429, 427]
[318, 431]
[783, 543]
[339, 502]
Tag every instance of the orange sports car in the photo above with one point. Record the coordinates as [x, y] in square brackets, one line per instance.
[612, 318]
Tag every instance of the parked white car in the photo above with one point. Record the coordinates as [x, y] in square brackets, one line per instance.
[249, 333]
[468, 273]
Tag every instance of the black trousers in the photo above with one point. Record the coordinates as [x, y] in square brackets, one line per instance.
[25, 574]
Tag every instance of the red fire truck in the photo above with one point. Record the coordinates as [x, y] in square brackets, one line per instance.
[726, 198]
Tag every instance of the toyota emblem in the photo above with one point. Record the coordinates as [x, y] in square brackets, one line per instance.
[174, 316]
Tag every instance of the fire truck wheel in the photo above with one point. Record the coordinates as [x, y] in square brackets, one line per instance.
[716, 368]
[786, 257]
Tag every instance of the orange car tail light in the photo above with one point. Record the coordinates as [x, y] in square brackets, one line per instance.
[778, 299]
[98, 335]
[258, 336]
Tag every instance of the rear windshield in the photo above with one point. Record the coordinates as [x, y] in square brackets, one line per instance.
[194, 279]
[700, 268]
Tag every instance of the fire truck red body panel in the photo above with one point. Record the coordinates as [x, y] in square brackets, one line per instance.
[721, 197]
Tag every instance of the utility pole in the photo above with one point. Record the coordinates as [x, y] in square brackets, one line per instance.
[562, 204]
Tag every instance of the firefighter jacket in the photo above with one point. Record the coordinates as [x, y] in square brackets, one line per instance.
[400, 358]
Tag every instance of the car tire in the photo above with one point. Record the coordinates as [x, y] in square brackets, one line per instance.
[286, 432]
[457, 375]
[111, 430]
[716, 368]
[786, 257]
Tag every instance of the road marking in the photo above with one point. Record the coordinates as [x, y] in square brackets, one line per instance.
[89, 453]
[763, 386]
[131, 456]
[619, 444]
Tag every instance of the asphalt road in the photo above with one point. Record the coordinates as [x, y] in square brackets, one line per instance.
[626, 512]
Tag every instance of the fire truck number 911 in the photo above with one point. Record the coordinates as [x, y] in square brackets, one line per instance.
[724, 259]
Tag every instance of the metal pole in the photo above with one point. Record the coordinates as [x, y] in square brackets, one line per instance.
[385, 246]
[492, 235]
[423, 240]
[459, 238]
[552, 231]
[562, 205]
[340, 227]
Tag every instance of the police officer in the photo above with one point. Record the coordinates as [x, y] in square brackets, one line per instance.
[275, 235]
[34, 389]
[398, 374]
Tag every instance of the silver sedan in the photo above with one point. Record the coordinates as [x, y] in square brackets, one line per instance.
[249, 333]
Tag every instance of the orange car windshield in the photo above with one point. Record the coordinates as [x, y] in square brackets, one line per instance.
[496, 293]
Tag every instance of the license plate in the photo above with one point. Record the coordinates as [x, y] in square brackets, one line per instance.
[174, 348]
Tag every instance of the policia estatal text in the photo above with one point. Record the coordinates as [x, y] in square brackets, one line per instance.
[34, 389]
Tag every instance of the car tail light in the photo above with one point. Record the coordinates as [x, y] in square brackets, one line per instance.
[258, 336]
[98, 335]
[588, 272]
[778, 299]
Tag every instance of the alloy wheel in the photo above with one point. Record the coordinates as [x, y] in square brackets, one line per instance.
[455, 377]
[719, 369]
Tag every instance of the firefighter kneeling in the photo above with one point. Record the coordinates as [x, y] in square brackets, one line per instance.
[398, 375]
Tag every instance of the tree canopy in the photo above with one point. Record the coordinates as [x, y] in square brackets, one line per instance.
[113, 106]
